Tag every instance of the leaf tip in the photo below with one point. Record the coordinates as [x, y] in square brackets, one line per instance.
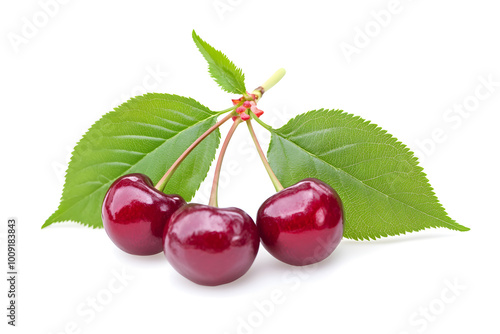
[49, 221]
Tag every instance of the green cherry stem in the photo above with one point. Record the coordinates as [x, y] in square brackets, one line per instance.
[215, 185]
[164, 180]
[272, 176]
[273, 80]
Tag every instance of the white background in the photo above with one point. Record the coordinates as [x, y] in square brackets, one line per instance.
[91, 55]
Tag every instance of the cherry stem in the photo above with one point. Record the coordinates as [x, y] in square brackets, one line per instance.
[272, 176]
[215, 185]
[259, 91]
[273, 80]
[164, 180]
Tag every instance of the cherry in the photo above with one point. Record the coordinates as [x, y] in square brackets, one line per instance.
[210, 245]
[302, 224]
[134, 214]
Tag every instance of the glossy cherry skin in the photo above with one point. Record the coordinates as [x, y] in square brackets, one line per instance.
[302, 224]
[211, 246]
[134, 214]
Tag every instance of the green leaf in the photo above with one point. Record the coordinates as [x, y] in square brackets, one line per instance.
[229, 77]
[144, 135]
[384, 190]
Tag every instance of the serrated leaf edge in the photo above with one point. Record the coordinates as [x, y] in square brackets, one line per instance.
[203, 46]
[393, 140]
[51, 220]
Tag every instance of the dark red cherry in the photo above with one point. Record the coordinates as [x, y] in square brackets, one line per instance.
[302, 224]
[134, 214]
[211, 246]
